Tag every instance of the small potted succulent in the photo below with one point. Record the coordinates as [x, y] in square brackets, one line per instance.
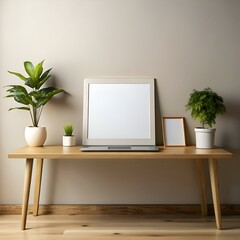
[33, 97]
[68, 139]
[205, 105]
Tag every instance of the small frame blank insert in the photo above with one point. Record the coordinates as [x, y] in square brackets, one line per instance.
[173, 131]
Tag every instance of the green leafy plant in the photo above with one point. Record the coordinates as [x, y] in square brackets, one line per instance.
[205, 105]
[68, 129]
[34, 99]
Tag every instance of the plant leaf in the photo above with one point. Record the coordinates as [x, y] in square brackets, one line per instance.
[43, 81]
[31, 83]
[20, 94]
[43, 78]
[38, 70]
[46, 94]
[18, 75]
[20, 108]
[35, 94]
[17, 89]
[45, 74]
[23, 99]
[29, 68]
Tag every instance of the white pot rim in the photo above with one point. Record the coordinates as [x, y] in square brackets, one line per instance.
[204, 130]
[36, 127]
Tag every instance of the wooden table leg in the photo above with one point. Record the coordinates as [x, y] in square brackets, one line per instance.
[26, 191]
[202, 186]
[37, 188]
[215, 191]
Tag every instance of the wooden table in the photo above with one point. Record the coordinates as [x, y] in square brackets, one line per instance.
[59, 152]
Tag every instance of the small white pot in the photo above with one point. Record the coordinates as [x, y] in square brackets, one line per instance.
[35, 136]
[68, 141]
[205, 137]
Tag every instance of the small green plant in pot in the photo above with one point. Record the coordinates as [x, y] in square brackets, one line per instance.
[68, 138]
[68, 129]
[33, 97]
[205, 105]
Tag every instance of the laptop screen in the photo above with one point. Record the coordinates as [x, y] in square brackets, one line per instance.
[119, 112]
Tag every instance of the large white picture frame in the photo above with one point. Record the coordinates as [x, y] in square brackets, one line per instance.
[119, 111]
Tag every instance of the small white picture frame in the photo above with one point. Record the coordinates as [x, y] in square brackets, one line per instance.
[173, 132]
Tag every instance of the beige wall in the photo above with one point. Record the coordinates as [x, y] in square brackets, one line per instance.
[184, 44]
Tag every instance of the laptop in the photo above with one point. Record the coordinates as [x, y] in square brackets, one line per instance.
[119, 149]
[119, 115]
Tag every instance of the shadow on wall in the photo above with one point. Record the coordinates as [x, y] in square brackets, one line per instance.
[158, 118]
[188, 133]
[229, 124]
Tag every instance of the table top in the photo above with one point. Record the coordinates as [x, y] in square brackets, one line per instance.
[60, 152]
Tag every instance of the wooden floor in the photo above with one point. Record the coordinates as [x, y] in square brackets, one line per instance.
[136, 227]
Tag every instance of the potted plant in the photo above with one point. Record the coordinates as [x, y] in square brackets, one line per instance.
[68, 138]
[33, 97]
[205, 105]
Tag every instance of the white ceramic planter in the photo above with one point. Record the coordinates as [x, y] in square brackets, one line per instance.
[68, 141]
[205, 137]
[35, 136]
